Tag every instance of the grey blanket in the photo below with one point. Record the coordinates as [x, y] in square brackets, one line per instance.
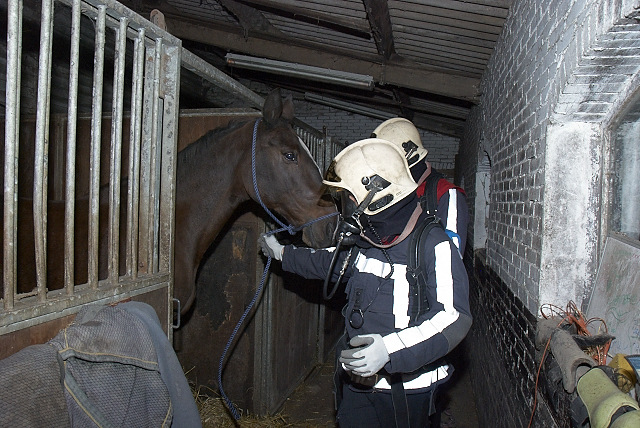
[112, 367]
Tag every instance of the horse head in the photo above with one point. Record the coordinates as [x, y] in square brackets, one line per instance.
[288, 179]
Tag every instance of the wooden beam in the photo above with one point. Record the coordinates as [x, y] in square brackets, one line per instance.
[249, 18]
[405, 103]
[378, 15]
[400, 73]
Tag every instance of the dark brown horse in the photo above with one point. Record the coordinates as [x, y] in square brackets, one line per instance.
[215, 176]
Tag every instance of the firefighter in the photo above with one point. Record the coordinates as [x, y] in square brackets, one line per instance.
[446, 200]
[397, 329]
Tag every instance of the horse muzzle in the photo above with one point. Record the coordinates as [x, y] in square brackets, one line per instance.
[319, 234]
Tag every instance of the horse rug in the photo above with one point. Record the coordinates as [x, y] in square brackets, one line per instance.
[112, 367]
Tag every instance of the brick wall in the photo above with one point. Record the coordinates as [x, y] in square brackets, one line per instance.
[531, 70]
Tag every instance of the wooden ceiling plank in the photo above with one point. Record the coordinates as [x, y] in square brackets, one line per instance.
[438, 26]
[484, 46]
[358, 24]
[504, 4]
[460, 9]
[410, 41]
[452, 25]
[337, 7]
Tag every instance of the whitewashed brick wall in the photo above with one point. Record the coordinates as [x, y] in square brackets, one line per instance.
[560, 71]
[539, 50]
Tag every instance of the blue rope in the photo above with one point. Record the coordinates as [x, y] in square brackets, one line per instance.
[292, 231]
[230, 404]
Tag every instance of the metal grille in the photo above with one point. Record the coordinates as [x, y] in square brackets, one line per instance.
[92, 116]
[132, 99]
[323, 149]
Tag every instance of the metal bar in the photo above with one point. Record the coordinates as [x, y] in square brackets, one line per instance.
[41, 151]
[29, 315]
[171, 91]
[153, 167]
[134, 155]
[70, 194]
[212, 74]
[116, 11]
[96, 136]
[11, 148]
[145, 160]
[116, 150]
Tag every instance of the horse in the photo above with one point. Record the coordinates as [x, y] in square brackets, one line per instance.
[215, 176]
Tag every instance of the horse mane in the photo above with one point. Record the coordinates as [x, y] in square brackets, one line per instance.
[191, 154]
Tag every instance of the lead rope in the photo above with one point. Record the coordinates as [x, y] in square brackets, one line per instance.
[292, 230]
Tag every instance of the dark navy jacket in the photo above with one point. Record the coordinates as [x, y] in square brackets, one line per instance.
[387, 303]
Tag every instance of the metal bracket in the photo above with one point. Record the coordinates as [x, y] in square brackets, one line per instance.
[176, 314]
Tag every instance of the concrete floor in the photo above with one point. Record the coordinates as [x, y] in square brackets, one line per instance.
[312, 406]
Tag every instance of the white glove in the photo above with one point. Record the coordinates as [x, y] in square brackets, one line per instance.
[270, 246]
[367, 356]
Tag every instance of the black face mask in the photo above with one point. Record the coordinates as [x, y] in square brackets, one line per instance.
[392, 221]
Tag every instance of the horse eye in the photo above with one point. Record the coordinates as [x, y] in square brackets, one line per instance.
[290, 156]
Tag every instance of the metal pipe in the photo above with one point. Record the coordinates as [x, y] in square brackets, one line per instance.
[70, 194]
[116, 150]
[96, 136]
[134, 154]
[42, 148]
[11, 148]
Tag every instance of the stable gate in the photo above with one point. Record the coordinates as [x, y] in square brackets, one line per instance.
[88, 190]
[90, 143]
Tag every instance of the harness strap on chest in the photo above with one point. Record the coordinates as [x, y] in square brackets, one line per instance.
[429, 200]
[416, 271]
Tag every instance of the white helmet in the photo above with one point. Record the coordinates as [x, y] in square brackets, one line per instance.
[375, 171]
[402, 133]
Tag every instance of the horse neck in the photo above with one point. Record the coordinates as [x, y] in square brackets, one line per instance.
[211, 187]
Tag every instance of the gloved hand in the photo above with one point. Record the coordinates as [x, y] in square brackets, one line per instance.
[270, 246]
[367, 356]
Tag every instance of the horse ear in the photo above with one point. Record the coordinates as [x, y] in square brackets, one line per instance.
[272, 108]
[287, 109]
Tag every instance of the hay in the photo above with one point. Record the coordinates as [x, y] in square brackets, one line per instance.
[214, 413]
